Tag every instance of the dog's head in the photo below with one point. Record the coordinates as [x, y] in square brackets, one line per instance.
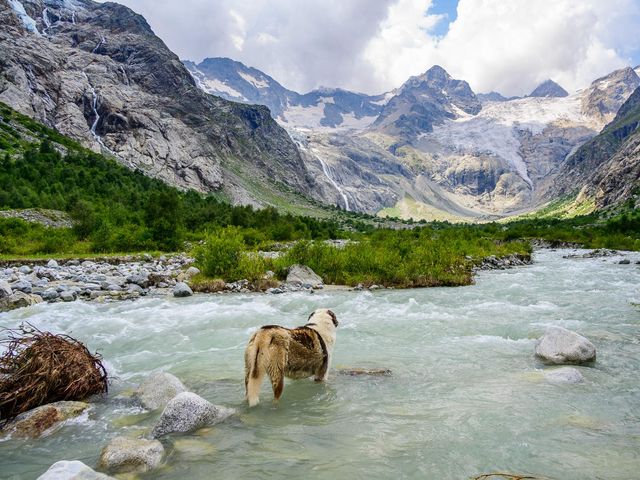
[323, 316]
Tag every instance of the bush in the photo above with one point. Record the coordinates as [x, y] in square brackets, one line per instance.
[221, 253]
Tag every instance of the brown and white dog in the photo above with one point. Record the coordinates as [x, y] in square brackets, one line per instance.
[296, 353]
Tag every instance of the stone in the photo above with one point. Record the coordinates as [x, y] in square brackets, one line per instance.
[563, 375]
[44, 419]
[127, 455]
[303, 275]
[625, 261]
[192, 272]
[187, 412]
[52, 264]
[18, 300]
[25, 269]
[182, 290]
[5, 289]
[133, 288]
[141, 280]
[67, 296]
[72, 470]
[157, 389]
[561, 346]
[50, 294]
[275, 290]
[23, 286]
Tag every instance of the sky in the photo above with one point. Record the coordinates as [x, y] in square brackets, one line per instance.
[373, 46]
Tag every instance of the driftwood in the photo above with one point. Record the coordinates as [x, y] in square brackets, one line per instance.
[504, 476]
[38, 367]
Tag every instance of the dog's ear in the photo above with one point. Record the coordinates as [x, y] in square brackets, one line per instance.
[334, 319]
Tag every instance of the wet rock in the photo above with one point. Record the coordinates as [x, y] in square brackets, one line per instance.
[303, 275]
[599, 252]
[5, 289]
[72, 470]
[34, 423]
[275, 291]
[133, 288]
[141, 280]
[182, 290]
[127, 455]
[564, 375]
[625, 261]
[157, 389]
[67, 296]
[50, 294]
[18, 300]
[187, 412]
[23, 286]
[561, 346]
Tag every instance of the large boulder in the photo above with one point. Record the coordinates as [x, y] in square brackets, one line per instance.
[18, 300]
[5, 289]
[126, 455]
[182, 290]
[563, 375]
[72, 470]
[35, 422]
[187, 412]
[304, 275]
[157, 389]
[561, 346]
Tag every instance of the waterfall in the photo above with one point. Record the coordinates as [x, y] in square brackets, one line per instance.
[94, 125]
[102, 41]
[327, 173]
[46, 21]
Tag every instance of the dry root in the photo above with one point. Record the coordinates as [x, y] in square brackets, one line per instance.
[39, 368]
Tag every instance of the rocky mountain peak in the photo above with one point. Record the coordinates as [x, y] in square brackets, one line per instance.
[606, 94]
[549, 88]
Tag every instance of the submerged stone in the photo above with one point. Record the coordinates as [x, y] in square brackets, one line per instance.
[72, 470]
[126, 455]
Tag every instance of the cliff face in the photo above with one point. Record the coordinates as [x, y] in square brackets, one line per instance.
[97, 73]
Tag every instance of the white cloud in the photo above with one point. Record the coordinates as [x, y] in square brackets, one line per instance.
[374, 46]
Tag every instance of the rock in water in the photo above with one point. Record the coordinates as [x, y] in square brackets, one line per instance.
[125, 455]
[72, 470]
[358, 372]
[187, 412]
[182, 290]
[18, 300]
[566, 375]
[35, 422]
[303, 275]
[561, 346]
[156, 391]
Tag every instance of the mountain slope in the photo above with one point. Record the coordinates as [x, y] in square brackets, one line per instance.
[608, 166]
[548, 89]
[97, 73]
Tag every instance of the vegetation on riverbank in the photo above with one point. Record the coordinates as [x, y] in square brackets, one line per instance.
[118, 210]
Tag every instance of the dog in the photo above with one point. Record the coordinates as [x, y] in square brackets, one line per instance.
[295, 353]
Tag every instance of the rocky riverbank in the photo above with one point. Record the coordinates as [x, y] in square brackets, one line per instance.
[129, 277]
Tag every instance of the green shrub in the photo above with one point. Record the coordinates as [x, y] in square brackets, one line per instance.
[221, 253]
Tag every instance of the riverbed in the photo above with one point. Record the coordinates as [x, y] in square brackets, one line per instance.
[466, 395]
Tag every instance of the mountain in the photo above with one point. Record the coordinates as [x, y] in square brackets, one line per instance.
[97, 73]
[605, 95]
[549, 88]
[426, 100]
[322, 108]
[607, 167]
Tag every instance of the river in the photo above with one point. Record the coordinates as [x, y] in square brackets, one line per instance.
[466, 395]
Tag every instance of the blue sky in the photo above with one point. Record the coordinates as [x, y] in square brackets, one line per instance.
[447, 8]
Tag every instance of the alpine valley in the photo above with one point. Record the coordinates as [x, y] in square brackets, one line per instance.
[430, 149]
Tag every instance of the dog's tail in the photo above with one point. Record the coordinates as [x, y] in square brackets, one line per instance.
[254, 371]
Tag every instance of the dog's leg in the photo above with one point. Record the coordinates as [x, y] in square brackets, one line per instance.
[254, 372]
[278, 356]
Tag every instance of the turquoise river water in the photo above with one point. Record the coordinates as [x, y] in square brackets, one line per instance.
[466, 395]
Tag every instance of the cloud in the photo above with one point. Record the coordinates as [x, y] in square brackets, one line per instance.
[374, 46]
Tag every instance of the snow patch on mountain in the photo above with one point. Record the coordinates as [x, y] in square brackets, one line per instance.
[256, 82]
